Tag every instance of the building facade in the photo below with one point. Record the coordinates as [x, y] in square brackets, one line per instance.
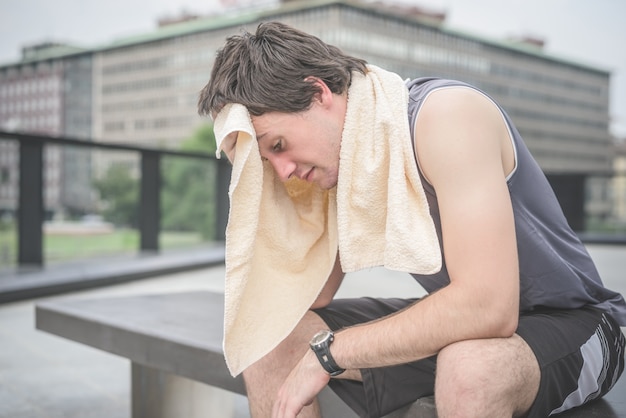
[619, 184]
[49, 92]
[144, 89]
[30, 101]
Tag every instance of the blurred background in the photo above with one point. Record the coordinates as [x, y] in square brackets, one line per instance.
[129, 73]
[107, 173]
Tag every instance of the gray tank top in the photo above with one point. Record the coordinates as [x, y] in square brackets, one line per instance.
[555, 269]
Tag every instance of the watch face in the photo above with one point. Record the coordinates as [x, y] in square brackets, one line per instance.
[320, 337]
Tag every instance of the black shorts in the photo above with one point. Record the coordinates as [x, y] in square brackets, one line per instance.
[580, 354]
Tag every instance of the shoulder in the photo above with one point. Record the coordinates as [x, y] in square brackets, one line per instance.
[457, 128]
[459, 103]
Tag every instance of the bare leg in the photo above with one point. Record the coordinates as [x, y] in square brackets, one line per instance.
[486, 378]
[265, 377]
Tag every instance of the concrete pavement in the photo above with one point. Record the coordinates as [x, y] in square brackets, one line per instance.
[44, 376]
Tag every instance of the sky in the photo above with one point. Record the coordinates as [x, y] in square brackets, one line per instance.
[587, 31]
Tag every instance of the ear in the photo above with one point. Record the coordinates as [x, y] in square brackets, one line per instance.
[324, 96]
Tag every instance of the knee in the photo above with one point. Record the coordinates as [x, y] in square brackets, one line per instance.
[469, 381]
[462, 381]
[486, 378]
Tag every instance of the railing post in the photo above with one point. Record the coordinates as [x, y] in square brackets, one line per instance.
[570, 192]
[222, 203]
[30, 213]
[150, 200]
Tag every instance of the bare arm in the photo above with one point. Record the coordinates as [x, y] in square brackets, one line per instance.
[465, 153]
[330, 288]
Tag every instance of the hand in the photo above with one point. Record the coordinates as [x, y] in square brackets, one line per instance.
[301, 387]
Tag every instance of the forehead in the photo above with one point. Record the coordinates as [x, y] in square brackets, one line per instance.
[273, 123]
[268, 120]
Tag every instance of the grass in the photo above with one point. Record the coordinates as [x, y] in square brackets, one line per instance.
[65, 247]
[59, 248]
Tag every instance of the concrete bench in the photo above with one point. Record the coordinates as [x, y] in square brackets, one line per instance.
[174, 342]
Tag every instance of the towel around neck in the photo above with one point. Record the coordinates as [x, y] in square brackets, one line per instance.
[282, 238]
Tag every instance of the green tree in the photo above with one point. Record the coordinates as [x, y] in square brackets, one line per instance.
[119, 191]
[188, 187]
[202, 140]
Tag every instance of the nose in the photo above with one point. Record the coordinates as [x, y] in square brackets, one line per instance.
[283, 167]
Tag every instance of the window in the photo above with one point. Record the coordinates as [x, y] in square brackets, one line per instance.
[5, 175]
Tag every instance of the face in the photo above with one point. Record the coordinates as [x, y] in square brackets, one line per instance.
[304, 144]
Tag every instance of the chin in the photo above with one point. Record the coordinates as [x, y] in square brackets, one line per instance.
[328, 185]
[326, 182]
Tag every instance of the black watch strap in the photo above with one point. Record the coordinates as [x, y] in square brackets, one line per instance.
[321, 347]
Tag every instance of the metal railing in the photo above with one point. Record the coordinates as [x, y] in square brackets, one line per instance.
[572, 191]
[30, 204]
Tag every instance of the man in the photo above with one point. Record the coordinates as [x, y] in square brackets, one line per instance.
[517, 315]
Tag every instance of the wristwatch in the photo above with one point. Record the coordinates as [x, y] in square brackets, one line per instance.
[320, 344]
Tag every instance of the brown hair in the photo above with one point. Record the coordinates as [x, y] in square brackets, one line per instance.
[268, 71]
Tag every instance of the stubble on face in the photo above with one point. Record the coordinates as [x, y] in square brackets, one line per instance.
[328, 140]
[309, 141]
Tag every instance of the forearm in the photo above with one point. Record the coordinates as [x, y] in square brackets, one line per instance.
[330, 288]
[423, 329]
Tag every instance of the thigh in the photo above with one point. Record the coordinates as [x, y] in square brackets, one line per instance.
[382, 390]
[580, 353]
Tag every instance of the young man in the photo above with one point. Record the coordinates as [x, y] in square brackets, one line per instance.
[517, 321]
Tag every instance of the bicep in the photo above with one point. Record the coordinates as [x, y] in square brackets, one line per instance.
[459, 140]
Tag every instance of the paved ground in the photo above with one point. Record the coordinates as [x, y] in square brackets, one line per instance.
[44, 376]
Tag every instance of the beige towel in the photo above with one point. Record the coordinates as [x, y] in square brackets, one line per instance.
[282, 238]
[383, 214]
[281, 244]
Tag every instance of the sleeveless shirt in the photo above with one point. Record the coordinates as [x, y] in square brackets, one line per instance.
[556, 271]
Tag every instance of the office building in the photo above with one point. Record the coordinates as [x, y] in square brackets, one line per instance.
[49, 92]
[144, 88]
